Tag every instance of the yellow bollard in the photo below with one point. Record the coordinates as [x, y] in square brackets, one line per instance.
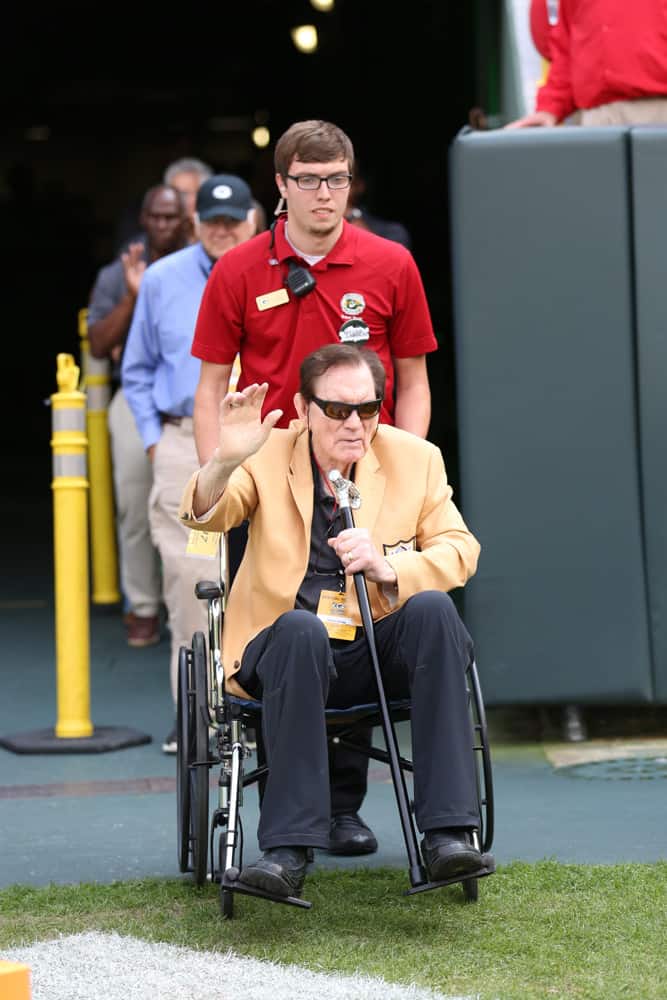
[73, 732]
[14, 981]
[70, 527]
[103, 544]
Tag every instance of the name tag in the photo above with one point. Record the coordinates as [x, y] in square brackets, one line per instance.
[331, 610]
[272, 299]
[203, 544]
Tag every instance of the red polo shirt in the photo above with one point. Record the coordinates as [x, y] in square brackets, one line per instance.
[604, 51]
[368, 291]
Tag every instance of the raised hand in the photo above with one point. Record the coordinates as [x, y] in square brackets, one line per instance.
[133, 267]
[242, 430]
[242, 433]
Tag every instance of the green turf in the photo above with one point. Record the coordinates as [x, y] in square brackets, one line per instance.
[538, 932]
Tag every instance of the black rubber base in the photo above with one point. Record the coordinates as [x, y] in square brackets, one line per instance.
[103, 740]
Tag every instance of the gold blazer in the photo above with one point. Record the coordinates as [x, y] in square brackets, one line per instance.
[406, 506]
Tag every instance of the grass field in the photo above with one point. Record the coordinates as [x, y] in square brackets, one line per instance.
[538, 931]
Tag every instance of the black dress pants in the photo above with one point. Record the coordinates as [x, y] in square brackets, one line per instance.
[348, 771]
[424, 650]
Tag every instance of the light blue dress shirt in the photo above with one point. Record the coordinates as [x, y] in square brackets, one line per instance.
[159, 374]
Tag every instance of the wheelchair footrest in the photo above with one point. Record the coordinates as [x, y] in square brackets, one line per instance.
[248, 890]
[488, 868]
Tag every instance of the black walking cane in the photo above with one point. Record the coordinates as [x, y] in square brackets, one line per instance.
[343, 488]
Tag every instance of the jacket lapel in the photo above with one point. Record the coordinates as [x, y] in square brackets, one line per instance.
[370, 481]
[300, 479]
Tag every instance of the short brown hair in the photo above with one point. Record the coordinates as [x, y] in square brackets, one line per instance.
[340, 356]
[312, 141]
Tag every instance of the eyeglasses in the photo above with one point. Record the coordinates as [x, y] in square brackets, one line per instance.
[341, 411]
[311, 182]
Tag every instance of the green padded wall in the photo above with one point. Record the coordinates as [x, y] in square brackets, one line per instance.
[649, 172]
[547, 414]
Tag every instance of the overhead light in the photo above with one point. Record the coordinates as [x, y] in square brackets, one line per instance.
[324, 5]
[261, 136]
[304, 37]
[38, 133]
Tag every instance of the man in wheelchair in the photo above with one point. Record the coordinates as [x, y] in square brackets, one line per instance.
[292, 635]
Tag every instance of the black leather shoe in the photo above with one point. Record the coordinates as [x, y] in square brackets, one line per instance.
[280, 871]
[449, 852]
[349, 834]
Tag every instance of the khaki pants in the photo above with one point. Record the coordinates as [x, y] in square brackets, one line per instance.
[133, 478]
[174, 462]
[643, 111]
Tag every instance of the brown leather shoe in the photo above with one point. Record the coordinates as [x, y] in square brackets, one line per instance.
[142, 631]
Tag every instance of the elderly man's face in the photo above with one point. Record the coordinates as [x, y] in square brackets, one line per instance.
[339, 443]
[220, 234]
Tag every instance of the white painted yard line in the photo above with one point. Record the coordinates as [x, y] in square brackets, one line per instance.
[95, 966]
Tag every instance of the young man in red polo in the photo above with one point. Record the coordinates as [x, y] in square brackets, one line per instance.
[310, 280]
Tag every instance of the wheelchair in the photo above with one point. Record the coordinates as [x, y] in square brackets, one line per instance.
[212, 730]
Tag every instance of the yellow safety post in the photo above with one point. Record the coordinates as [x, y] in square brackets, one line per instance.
[103, 545]
[73, 732]
[14, 981]
[70, 527]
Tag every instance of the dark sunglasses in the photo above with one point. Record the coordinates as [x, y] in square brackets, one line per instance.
[341, 411]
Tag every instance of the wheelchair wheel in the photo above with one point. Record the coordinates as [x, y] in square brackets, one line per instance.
[184, 723]
[199, 767]
[482, 759]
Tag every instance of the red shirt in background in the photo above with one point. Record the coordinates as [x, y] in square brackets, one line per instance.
[604, 51]
[540, 28]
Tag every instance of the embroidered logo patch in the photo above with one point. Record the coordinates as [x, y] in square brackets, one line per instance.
[352, 303]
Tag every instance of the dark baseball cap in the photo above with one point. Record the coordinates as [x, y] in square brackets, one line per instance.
[224, 194]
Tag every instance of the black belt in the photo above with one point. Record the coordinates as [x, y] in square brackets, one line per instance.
[166, 418]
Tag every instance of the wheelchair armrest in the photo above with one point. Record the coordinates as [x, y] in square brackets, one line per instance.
[206, 590]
